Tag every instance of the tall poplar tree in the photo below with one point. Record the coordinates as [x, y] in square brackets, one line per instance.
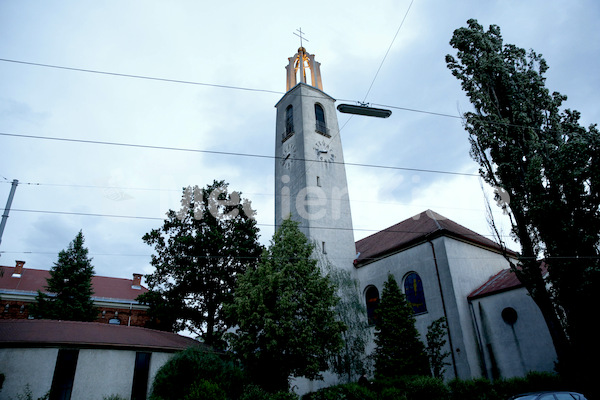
[399, 351]
[286, 323]
[69, 287]
[550, 167]
[200, 251]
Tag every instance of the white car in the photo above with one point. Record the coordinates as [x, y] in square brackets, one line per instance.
[558, 395]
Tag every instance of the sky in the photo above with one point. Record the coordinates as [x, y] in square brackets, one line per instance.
[108, 153]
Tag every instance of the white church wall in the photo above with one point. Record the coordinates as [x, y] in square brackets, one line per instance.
[459, 268]
[513, 348]
[417, 259]
[469, 267]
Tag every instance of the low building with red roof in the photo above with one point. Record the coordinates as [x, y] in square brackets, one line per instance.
[83, 360]
[115, 298]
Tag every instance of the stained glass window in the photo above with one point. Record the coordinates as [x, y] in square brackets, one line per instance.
[413, 289]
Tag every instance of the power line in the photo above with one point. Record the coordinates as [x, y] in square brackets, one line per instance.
[388, 50]
[390, 230]
[179, 81]
[141, 76]
[228, 153]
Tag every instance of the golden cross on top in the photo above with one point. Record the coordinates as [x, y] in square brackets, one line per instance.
[300, 36]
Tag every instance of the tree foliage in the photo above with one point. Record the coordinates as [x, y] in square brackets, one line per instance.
[69, 286]
[351, 360]
[286, 324]
[549, 165]
[200, 252]
[196, 373]
[436, 340]
[399, 350]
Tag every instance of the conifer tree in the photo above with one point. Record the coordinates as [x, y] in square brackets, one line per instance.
[69, 287]
[399, 349]
[285, 313]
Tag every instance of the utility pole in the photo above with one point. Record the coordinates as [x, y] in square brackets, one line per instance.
[15, 182]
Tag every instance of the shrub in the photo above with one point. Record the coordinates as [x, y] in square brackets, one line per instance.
[28, 394]
[348, 391]
[473, 389]
[113, 397]
[425, 387]
[205, 390]
[392, 393]
[183, 373]
[253, 392]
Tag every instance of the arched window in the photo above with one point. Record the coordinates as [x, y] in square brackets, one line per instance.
[320, 117]
[289, 121]
[413, 289]
[372, 299]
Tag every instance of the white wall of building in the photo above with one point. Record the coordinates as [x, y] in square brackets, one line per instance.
[469, 267]
[518, 348]
[457, 270]
[99, 372]
[22, 367]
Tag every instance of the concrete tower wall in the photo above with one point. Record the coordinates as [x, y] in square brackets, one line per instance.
[310, 176]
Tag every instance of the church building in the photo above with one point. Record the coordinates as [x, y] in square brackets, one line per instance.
[495, 330]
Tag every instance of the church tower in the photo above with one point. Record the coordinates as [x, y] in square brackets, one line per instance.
[310, 177]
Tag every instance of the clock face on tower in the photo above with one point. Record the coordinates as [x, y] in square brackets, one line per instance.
[288, 155]
[324, 152]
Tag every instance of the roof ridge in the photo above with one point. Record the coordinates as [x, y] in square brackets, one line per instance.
[48, 270]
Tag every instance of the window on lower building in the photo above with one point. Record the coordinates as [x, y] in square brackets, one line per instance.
[415, 296]
[139, 389]
[64, 374]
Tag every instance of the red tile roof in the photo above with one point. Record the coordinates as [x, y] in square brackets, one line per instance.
[502, 281]
[41, 332]
[415, 230]
[32, 280]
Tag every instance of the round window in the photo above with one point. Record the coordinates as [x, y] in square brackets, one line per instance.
[509, 315]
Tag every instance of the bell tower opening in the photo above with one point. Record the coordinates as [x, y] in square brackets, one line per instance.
[303, 68]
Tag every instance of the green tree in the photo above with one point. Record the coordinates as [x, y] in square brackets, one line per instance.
[286, 324]
[399, 350]
[69, 286]
[436, 333]
[351, 361]
[198, 373]
[549, 165]
[200, 252]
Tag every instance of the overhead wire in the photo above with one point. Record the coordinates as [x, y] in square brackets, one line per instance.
[258, 224]
[388, 50]
[94, 71]
[331, 139]
[206, 151]
[228, 153]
